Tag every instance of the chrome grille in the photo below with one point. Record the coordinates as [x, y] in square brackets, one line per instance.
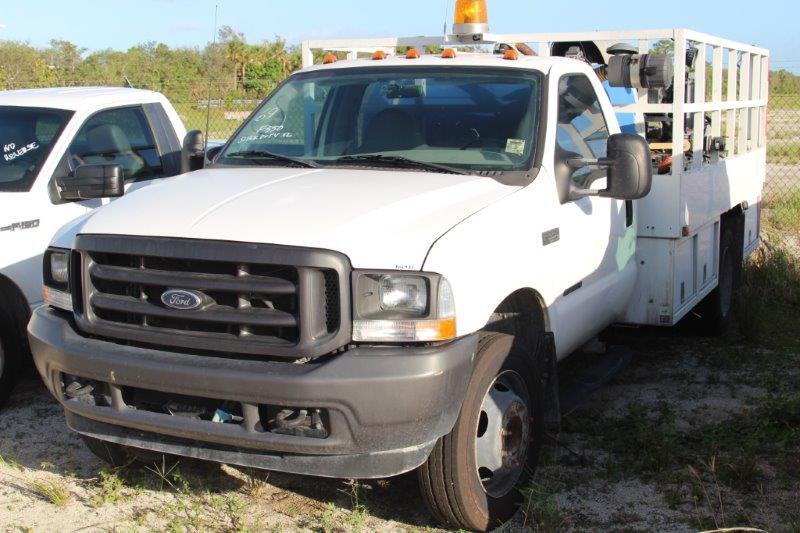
[256, 299]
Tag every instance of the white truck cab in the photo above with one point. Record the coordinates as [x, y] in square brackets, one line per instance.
[45, 135]
[382, 267]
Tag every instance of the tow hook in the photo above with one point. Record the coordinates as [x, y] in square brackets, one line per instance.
[299, 423]
[76, 390]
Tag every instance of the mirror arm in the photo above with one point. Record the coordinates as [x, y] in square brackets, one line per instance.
[578, 163]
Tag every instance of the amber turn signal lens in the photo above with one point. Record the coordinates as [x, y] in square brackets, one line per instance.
[329, 58]
[511, 55]
[449, 53]
[379, 55]
[413, 54]
[471, 12]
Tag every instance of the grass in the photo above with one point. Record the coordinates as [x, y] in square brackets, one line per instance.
[718, 473]
[767, 304]
[256, 484]
[7, 460]
[787, 153]
[54, 491]
[783, 216]
[768, 300]
[110, 489]
[540, 510]
[715, 460]
[222, 121]
[359, 513]
[784, 101]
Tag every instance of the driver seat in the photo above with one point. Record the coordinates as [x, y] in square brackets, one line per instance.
[107, 144]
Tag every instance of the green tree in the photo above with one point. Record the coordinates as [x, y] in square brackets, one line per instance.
[23, 66]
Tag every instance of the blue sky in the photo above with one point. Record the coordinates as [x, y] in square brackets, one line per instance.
[120, 24]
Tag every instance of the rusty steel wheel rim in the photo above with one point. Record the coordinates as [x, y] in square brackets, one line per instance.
[502, 435]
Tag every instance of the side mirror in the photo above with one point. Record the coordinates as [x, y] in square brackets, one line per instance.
[630, 174]
[92, 181]
[629, 170]
[193, 152]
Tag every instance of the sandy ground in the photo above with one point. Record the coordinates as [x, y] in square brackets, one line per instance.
[37, 447]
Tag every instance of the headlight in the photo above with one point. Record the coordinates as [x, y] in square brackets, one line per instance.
[56, 290]
[59, 267]
[402, 307]
[404, 294]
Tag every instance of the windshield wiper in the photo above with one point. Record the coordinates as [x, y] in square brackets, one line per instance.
[399, 162]
[263, 154]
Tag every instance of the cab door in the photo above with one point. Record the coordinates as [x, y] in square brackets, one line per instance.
[597, 235]
[131, 137]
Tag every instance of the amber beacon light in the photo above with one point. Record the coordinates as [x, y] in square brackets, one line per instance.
[472, 17]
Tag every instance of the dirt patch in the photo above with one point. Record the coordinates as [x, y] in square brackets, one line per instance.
[614, 466]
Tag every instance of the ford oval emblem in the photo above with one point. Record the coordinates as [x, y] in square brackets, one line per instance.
[182, 300]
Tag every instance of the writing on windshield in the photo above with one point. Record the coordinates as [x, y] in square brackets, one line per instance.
[459, 118]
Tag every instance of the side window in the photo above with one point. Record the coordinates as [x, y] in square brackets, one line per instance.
[582, 128]
[118, 137]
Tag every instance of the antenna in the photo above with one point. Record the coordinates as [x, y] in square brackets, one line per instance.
[128, 83]
[208, 99]
[444, 24]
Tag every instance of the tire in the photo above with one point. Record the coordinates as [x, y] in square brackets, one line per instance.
[121, 456]
[8, 364]
[716, 310]
[455, 481]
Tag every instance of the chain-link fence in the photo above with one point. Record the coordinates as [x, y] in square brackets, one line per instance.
[781, 217]
[221, 105]
[224, 104]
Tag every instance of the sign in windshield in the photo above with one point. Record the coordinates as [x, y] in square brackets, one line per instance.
[462, 119]
[26, 137]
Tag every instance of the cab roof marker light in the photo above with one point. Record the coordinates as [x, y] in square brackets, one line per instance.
[449, 53]
[511, 55]
[329, 58]
[379, 55]
[413, 54]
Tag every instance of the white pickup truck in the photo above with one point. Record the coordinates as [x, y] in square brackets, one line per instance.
[383, 266]
[45, 135]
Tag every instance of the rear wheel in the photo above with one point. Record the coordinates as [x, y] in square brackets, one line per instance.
[473, 476]
[717, 309]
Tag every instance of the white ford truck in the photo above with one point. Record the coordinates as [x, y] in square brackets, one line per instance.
[45, 135]
[384, 264]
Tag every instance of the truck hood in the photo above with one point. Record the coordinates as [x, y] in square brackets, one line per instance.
[379, 219]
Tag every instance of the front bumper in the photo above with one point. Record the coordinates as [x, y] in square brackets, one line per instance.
[386, 406]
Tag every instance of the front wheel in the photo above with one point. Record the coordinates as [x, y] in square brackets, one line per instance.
[473, 476]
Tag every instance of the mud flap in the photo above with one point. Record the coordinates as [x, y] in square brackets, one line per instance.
[548, 369]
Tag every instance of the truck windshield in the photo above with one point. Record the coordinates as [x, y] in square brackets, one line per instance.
[26, 137]
[449, 119]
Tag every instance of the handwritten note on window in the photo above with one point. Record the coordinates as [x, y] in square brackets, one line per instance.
[11, 152]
